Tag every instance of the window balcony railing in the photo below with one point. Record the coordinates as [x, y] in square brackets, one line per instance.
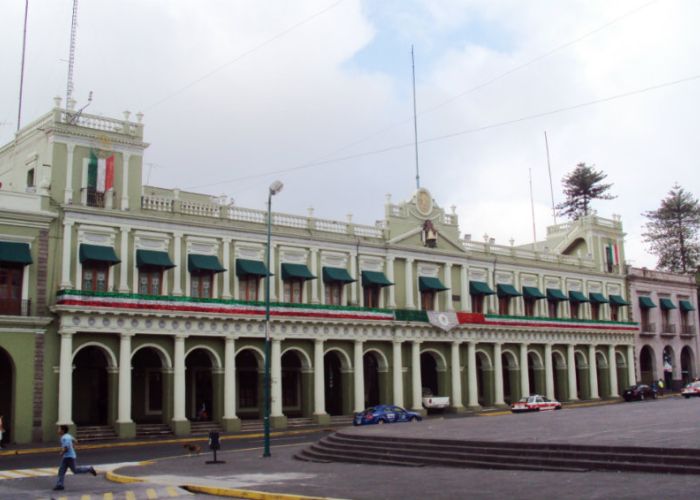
[648, 328]
[15, 307]
[668, 329]
[687, 329]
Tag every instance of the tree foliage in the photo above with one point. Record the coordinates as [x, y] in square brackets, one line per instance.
[672, 232]
[581, 186]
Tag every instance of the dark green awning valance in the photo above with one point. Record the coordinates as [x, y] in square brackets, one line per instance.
[246, 267]
[667, 304]
[426, 283]
[296, 272]
[556, 294]
[597, 298]
[507, 291]
[152, 258]
[205, 263]
[15, 253]
[686, 306]
[618, 300]
[480, 288]
[337, 274]
[532, 292]
[374, 278]
[97, 253]
[646, 303]
[575, 296]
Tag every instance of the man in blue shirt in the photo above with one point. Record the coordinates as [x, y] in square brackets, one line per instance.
[68, 460]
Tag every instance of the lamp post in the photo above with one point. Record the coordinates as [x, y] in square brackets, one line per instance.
[275, 188]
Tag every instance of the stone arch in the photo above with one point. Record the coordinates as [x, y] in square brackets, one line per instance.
[670, 367]
[559, 372]
[202, 387]
[535, 369]
[581, 370]
[150, 395]
[602, 374]
[647, 364]
[306, 363]
[511, 358]
[8, 374]
[110, 357]
[484, 378]
[537, 358]
[162, 354]
[213, 356]
[510, 376]
[601, 359]
[382, 361]
[250, 362]
[336, 368]
[93, 376]
[345, 360]
[440, 361]
[297, 383]
[375, 370]
[687, 365]
[433, 368]
[559, 360]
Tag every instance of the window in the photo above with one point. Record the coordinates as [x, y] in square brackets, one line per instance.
[574, 307]
[614, 312]
[150, 281]
[248, 287]
[95, 276]
[30, 177]
[95, 198]
[201, 284]
[646, 327]
[427, 300]
[334, 293]
[595, 310]
[371, 295]
[665, 320]
[503, 305]
[477, 303]
[553, 307]
[10, 289]
[529, 306]
[685, 325]
[293, 291]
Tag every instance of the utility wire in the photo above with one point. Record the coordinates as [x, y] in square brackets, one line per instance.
[443, 137]
[243, 55]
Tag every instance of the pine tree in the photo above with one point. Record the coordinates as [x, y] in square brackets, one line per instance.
[581, 186]
[672, 232]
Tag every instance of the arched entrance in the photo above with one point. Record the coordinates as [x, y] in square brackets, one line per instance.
[669, 362]
[91, 395]
[646, 364]
[7, 410]
[292, 385]
[248, 370]
[535, 372]
[559, 373]
[333, 383]
[199, 385]
[484, 379]
[370, 368]
[622, 375]
[602, 375]
[687, 368]
[582, 382]
[149, 391]
[511, 388]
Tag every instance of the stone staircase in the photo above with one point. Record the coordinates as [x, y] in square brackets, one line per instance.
[294, 423]
[92, 433]
[381, 450]
[204, 428]
[153, 430]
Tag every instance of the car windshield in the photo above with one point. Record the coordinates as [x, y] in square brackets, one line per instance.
[523, 400]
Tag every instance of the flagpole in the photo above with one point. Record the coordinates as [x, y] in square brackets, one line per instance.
[21, 72]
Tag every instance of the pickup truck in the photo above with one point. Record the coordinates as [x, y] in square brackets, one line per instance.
[431, 402]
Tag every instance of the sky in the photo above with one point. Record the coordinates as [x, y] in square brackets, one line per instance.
[318, 94]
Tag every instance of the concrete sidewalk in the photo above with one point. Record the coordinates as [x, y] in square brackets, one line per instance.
[669, 423]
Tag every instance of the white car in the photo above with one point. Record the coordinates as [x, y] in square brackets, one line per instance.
[692, 389]
[535, 403]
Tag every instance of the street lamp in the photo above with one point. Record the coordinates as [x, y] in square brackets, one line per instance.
[275, 188]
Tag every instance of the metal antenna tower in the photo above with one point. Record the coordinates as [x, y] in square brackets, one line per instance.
[71, 56]
[415, 120]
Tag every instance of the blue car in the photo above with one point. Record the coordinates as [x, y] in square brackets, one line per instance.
[385, 414]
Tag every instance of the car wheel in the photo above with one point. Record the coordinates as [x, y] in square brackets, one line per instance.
[381, 422]
[686, 396]
[413, 420]
[641, 397]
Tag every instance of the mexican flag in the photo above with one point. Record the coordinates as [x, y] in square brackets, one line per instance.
[101, 173]
[612, 254]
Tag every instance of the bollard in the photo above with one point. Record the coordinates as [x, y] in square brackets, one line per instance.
[215, 445]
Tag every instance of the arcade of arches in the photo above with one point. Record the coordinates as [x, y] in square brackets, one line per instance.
[221, 379]
[675, 368]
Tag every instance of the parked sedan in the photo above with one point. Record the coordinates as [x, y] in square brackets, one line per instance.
[385, 414]
[535, 403]
[639, 392]
[692, 389]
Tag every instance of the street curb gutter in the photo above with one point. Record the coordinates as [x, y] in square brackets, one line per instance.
[119, 478]
[250, 494]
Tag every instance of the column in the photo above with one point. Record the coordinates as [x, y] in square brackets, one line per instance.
[448, 283]
[390, 276]
[498, 375]
[65, 380]
[124, 412]
[631, 375]
[314, 271]
[464, 288]
[456, 379]
[548, 371]
[524, 375]
[124, 256]
[571, 371]
[397, 373]
[319, 380]
[355, 284]
[226, 275]
[65, 258]
[179, 379]
[593, 372]
[416, 382]
[125, 182]
[473, 396]
[68, 192]
[409, 285]
[230, 378]
[359, 376]
[612, 368]
[177, 259]
[276, 378]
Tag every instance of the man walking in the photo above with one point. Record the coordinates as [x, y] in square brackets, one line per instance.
[68, 460]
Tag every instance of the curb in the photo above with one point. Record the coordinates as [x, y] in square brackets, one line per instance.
[119, 478]
[250, 494]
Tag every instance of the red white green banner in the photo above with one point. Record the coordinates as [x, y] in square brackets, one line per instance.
[101, 173]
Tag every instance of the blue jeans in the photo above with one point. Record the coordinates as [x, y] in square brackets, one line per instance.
[69, 463]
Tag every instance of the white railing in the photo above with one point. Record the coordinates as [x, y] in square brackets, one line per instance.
[368, 231]
[522, 253]
[331, 226]
[661, 275]
[286, 220]
[247, 215]
[157, 203]
[197, 208]
[99, 123]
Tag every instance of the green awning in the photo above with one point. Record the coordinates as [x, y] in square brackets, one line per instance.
[597, 298]
[686, 306]
[556, 294]
[618, 300]
[246, 267]
[426, 283]
[15, 253]
[480, 288]
[96, 253]
[207, 263]
[667, 304]
[337, 274]
[532, 292]
[296, 271]
[507, 291]
[151, 258]
[646, 303]
[374, 278]
[575, 296]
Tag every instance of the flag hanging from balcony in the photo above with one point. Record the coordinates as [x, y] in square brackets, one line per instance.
[101, 173]
[612, 254]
